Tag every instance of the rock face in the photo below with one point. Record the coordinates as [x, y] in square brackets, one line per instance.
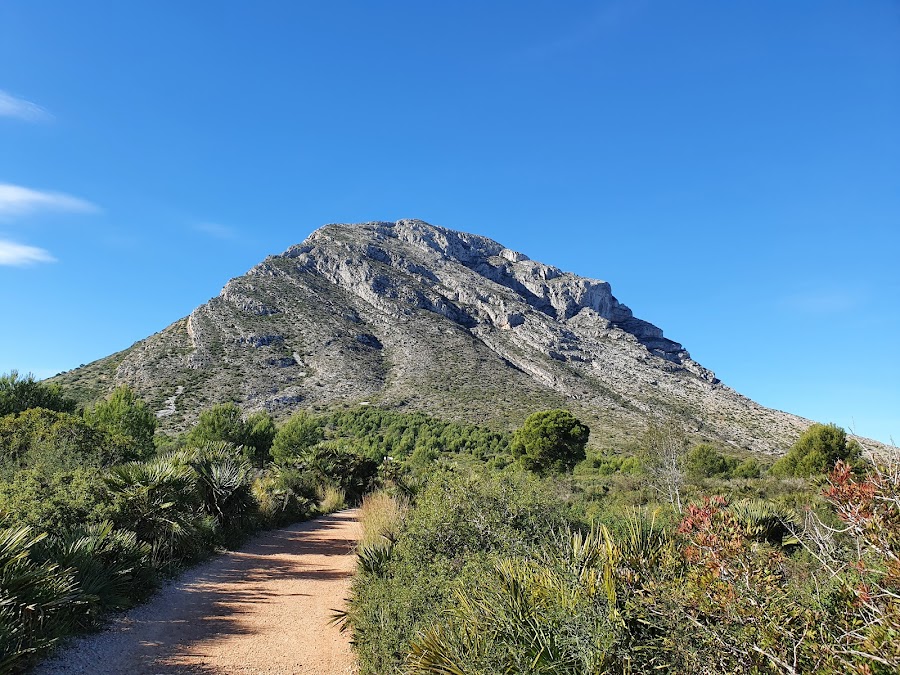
[415, 316]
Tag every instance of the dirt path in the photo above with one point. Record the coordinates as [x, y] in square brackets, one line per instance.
[264, 609]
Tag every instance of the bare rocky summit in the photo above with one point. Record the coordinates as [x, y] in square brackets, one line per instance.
[415, 316]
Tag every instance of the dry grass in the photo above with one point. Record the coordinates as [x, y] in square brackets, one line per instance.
[380, 516]
[332, 499]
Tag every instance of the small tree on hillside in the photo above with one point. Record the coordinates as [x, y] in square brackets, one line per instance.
[259, 433]
[550, 441]
[222, 422]
[298, 434]
[125, 414]
[817, 451]
[705, 461]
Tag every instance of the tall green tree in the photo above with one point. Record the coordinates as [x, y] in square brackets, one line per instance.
[18, 394]
[222, 422]
[298, 434]
[125, 414]
[550, 441]
[259, 432]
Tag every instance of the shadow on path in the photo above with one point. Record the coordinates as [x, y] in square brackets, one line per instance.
[274, 591]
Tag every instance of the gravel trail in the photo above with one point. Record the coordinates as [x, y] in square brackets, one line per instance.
[262, 610]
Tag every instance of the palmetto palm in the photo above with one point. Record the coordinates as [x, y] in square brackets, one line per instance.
[38, 600]
[158, 501]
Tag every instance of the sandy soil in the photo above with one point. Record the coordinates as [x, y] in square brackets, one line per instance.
[264, 609]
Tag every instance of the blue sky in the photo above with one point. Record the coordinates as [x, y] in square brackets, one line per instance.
[732, 169]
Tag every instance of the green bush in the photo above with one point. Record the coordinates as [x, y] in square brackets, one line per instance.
[112, 568]
[40, 438]
[37, 598]
[376, 433]
[458, 525]
[705, 461]
[122, 413]
[223, 486]
[749, 468]
[55, 501]
[224, 423]
[295, 437]
[329, 464]
[158, 500]
[817, 451]
[564, 609]
[18, 394]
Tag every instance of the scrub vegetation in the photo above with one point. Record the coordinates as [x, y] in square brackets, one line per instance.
[481, 551]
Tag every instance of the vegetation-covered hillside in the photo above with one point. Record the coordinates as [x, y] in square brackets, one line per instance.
[483, 551]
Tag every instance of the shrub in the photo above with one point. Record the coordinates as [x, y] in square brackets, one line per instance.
[223, 486]
[158, 501]
[381, 516]
[459, 523]
[112, 568]
[749, 468]
[37, 599]
[18, 394]
[563, 610]
[330, 464]
[332, 499]
[54, 440]
[705, 461]
[284, 495]
[867, 614]
[55, 500]
[816, 452]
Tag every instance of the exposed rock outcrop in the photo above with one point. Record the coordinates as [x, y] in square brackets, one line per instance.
[423, 317]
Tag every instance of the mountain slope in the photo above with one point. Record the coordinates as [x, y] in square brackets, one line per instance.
[411, 315]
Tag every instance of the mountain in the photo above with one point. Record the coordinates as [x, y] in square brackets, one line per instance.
[414, 316]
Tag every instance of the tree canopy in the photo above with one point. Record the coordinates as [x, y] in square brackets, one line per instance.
[225, 423]
[550, 441]
[54, 440]
[125, 414]
[817, 451]
[298, 434]
[18, 394]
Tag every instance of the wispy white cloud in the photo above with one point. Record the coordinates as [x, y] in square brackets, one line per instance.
[16, 200]
[12, 106]
[217, 230]
[19, 255]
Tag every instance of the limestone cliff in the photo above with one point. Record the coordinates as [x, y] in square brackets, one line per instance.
[415, 316]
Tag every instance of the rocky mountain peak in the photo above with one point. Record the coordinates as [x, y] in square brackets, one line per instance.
[434, 254]
[418, 316]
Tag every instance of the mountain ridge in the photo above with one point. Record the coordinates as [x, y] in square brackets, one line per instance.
[415, 316]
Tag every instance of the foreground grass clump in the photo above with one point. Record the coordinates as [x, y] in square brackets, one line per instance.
[332, 499]
[461, 522]
[380, 518]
